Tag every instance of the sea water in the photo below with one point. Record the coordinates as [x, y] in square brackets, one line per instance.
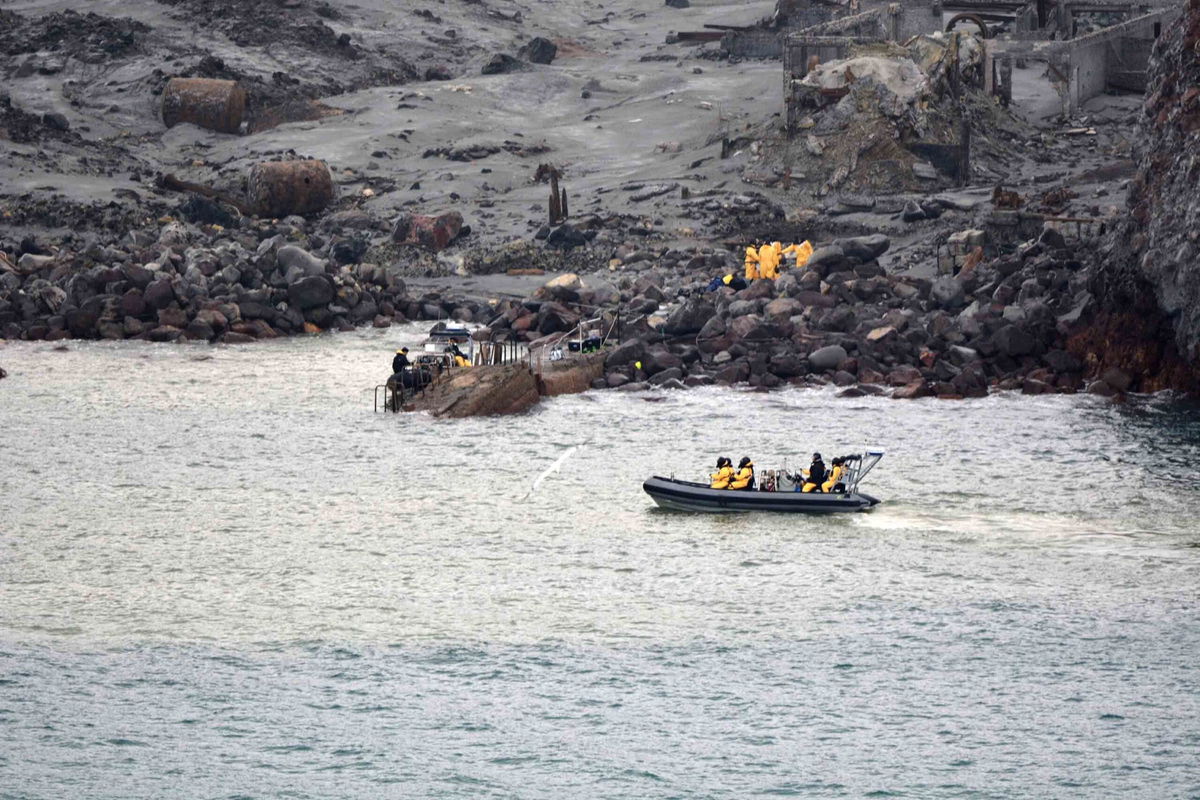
[223, 575]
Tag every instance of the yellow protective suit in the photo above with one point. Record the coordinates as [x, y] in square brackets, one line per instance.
[721, 478]
[459, 361]
[743, 477]
[751, 263]
[768, 260]
[802, 252]
[808, 486]
[835, 475]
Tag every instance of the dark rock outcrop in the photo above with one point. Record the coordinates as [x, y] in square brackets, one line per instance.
[1148, 322]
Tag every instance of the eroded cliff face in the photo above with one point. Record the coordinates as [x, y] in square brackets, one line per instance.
[1149, 280]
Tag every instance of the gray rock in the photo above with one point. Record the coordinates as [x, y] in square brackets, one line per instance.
[827, 358]
[566, 237]
[826, 259]
[538, 51]
[1013, 341]
[912, 212]
[864, 248]
[502, 63]
[670, 374]
[31, 262]
[691, 317]
[740, 308]
[626, 353]
[947, 293]
[309, 292]
[1117, 378]
[1052, 239]
[291, 257]
[159, 294]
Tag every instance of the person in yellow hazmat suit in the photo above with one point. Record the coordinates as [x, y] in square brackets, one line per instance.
[751, 263]
[744, 479]
[814, 476]
[836, 471]
[460, 358]
[801, 251]
[723, 475]
[768, 260]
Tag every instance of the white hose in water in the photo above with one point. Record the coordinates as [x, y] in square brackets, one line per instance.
[558, 462]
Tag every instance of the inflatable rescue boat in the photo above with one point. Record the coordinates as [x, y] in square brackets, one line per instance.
[778, 490]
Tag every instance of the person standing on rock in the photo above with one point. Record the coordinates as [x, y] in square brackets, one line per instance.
[400, 360]
[751, 263]
[801, 251]
[768, 260]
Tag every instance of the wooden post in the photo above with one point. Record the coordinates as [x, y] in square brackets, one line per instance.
[555, 199]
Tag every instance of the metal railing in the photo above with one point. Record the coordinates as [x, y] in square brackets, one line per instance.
[579, 333]
[493, 353]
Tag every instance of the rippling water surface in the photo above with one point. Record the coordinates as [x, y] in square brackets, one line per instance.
[221, 575]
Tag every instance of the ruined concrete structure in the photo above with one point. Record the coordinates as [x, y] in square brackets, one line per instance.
[1082, 63]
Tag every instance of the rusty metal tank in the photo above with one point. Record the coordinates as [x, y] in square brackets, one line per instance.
[209, 103]
[281, 188]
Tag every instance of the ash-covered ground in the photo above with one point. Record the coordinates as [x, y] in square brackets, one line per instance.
[673, 157]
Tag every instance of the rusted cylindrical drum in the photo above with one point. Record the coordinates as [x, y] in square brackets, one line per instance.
[217, 105]
[280, 188]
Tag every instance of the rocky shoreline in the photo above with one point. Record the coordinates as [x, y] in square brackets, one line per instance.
[915, 292]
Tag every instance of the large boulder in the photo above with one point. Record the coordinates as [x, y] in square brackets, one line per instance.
[827, 259]
[690, 317]
[138, 275]
[761, 289]
[159, 294]
[81, 323]
[432, 232]
[912, 391]
[827, 358]
[566, 237]
[310, 292]
[660, 359]
[1012, 340]
[864, 248]
[626, 352]
[538, 50]
[290, 258]
[783, 307]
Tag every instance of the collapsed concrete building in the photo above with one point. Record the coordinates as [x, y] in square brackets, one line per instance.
[1084, 58]
[883, 97]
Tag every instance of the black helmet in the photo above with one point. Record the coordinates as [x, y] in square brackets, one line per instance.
[816, 456]
[744, 462]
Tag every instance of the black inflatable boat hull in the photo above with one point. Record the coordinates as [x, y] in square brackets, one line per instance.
[689, 496]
